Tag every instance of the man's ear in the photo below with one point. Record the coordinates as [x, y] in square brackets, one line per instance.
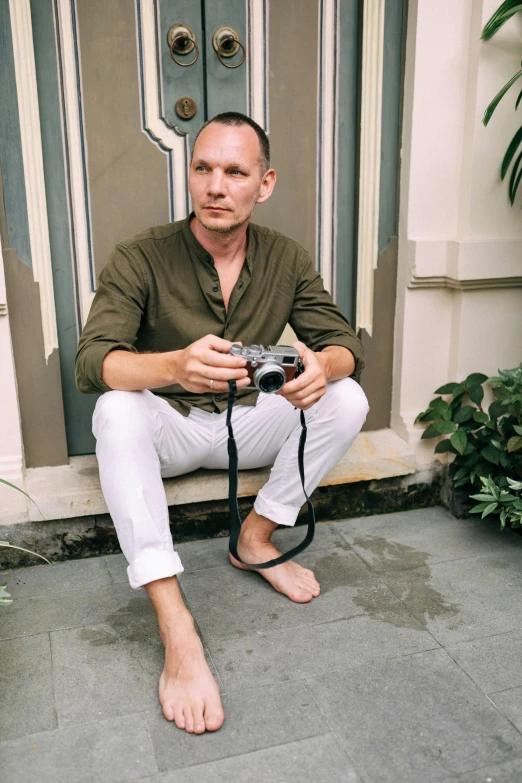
[267, 186]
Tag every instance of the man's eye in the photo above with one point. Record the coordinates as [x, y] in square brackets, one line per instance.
[236, 171]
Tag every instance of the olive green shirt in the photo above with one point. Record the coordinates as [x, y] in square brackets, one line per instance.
[160, 291]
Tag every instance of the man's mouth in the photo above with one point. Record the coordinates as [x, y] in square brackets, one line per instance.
[217, 209]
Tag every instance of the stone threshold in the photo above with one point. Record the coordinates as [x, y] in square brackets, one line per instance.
[73, 490]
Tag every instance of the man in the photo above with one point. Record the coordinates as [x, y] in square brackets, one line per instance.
[170, 303]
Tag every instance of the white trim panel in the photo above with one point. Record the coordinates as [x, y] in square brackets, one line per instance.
[27, 94]
[370, 159]
[257, 81]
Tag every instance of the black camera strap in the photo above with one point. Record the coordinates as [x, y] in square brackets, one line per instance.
[236, 522]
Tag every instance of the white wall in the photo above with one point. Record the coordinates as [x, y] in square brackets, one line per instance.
[459, 294]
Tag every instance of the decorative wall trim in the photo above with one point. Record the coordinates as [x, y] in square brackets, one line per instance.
[370, 159]
[76, 154]
[327, 140]
[257, 79]
[173, 143]
[465, 264]
[31, 141]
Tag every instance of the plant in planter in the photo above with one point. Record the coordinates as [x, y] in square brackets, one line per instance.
[5, 597]
[486, 444]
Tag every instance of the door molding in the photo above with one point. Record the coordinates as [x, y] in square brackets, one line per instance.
[31, 143]
[370, 159]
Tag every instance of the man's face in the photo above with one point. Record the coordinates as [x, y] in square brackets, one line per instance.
[226, 180]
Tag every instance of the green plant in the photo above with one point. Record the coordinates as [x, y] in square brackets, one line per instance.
[503, 502]
[504, 12]
[485, 444]
[5, 597]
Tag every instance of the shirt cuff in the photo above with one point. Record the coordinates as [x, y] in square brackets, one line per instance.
[352, 344]
[89, 366]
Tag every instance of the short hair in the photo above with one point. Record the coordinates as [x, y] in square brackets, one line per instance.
[237, 119]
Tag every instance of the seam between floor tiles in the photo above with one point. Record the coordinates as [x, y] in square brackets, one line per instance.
[360, 772]
[55, 703]
[484, 692]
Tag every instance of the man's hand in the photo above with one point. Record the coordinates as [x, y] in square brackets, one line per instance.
[209, 359]
[311, 384]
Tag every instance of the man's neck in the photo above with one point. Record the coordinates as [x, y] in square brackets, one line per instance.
[223, 247]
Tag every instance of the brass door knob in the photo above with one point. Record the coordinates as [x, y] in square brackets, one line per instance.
[227, 43]
[182, 41]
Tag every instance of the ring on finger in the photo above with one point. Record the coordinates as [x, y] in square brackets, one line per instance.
[212, 383]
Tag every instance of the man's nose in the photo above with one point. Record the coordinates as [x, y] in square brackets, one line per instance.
[216, 184]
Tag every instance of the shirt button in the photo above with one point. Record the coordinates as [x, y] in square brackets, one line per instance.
[241, 285]
[218, 398]
[215, 289]
[208, 258]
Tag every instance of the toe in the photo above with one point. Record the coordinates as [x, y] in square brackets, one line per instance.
[214, 718]
[179, 718]
[199, 722]
[189, 720]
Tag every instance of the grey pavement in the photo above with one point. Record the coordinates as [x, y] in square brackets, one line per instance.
[405, 669]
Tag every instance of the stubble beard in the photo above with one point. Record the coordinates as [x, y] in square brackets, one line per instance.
[232, 228]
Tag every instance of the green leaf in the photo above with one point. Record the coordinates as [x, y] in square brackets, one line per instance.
[518, 100]
[444, 446]
[504, 460]
[480, 507]
[464, 414]
[517, 429]
[460, 473]
[504, 12]
[448, 388]
[491, 454]
[508, 157]
[476, 378]
[481, 496]
[501, 393]
[480, 416]
[489, 509]
[439, 428]
[498, 97]
[459, 441]
[514, 443]
[514, 180]
[476, 394]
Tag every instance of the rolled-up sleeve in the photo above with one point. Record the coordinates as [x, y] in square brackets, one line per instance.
[317, 320]
[114, 318]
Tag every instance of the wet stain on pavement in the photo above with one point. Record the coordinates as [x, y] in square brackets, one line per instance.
[97, 637]
[135, 622]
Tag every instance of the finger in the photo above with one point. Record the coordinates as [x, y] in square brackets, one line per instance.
[219, 344]
[301, 347]
[216, 359]
[221, 373]
[307, 402]
[222, 386]
[307, 379]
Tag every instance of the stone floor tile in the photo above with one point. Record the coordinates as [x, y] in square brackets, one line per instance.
[264, 658]
[317, 759]
[228, 602]
[109, 751]
[508, 772]
[26, 686]
[72, 609]
[256, 718]
[466, 599]
[411, 539]
[509, 703]
[110, 669]
[415, 718]
[492, 662]
[39, 580]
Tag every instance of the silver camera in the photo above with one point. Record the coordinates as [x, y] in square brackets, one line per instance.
[268, 368]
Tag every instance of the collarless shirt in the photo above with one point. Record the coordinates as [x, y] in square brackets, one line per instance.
[160, 291]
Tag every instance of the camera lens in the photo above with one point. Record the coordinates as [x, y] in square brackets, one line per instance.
[269, 378]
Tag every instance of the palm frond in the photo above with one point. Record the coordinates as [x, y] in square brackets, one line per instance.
[510, 152]
[514, 180]
[498, 97]
[503, 13]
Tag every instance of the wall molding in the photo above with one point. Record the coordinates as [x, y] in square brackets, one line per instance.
[465, 264]
[257, 62]
[370, 159]
[27, 94]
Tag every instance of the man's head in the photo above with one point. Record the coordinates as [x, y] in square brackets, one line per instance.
[229, 171]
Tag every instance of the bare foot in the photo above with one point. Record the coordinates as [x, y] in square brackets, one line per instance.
[188, 692]
[291, 579]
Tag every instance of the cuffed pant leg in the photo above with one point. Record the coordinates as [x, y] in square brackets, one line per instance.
[125, 427]
[333, 423]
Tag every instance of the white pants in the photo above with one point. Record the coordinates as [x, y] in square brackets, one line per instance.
[142, 439]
